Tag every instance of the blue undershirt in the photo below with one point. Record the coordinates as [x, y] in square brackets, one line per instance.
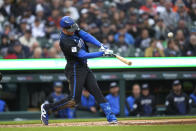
[85, 55]
[91, 39]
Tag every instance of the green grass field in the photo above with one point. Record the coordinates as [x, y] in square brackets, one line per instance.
[179, 127]
[109, 128]
[92, 119]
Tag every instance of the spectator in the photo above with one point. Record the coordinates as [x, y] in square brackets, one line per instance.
[58, 49]
[183, 27]
[94, 15]
[45, 52]
[51, 31]
[28, 16]
[3, 106]
[193, 98]
[7, 29]
[56, 4]
[58, 95]
[12, 37]
[8, 8]
[182, 13]
[110, 41]
[2, 19]
[20, 50]
[193, 31]
[146, 22]
[193, 14]
[127, 37]
[145, 105]
[190, 48]
[95, 31]
[13, 23]
[122, 4]
[37, 53]
[38, 29]
[115, 18]
[143, 41]
[121, 47]
[69, 7]
[160, 7]
[52, 53]
[113, 98]
[27, 39]
[42, 5]
[133, 26]
[153, 51]
[169, 17]
[55, 18]
[20, 7]
[177, 102]
[136, 3]
[88, 102]
[180, 38]
[172, 49]
[112, 9]
[105, 30]
[160, 29]
[23, 27]
[85, 18]
[149, 7]
[4, 45]
[10, 54]
[40, 14]
[131, 99]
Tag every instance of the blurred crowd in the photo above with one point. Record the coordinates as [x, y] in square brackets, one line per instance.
[30, 28]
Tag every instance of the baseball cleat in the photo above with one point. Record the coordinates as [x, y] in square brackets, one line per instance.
[112, 119]
[113, 122]
[108, 112]
[44, 115]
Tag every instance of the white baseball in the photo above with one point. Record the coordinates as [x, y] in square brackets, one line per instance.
[170, 34]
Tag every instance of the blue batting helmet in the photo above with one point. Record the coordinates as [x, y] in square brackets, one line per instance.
[69, 24]
[66, 21]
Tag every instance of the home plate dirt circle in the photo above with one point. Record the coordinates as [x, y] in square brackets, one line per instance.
[104, 123]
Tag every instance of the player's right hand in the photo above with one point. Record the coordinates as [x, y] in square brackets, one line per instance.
[108, 52]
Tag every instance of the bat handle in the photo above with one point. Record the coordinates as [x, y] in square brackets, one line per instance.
[114, 55]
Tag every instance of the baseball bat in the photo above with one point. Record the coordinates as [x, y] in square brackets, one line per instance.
[122, 59]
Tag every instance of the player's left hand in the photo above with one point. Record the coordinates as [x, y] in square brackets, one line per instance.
[103, 48]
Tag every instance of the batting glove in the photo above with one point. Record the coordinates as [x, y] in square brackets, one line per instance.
[103, 48]
[108, 52]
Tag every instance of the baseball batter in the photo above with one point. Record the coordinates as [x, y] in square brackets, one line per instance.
[73, 44]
